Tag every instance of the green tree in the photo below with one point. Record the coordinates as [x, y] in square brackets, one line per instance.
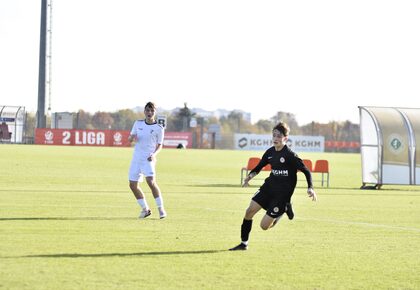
[290, 119]
[264, 126]
[102, 120]
[83, 120]
[181, 120]
[124, 119]
[30, 123]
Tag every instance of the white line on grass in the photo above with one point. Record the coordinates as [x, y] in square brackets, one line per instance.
[339, 222]
[363, 224]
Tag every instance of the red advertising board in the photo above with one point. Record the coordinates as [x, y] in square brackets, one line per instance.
[117, 138]
[82, 137]
[173, 139]
[342, 144]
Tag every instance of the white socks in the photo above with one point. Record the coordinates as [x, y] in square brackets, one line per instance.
[143, 203]
[159, 201]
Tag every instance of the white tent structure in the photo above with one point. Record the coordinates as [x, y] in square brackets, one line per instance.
[12, 122]
[389, 139]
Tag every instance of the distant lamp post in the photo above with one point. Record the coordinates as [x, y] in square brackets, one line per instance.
[40, 115]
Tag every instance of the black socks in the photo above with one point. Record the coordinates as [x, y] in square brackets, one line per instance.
[246, 229]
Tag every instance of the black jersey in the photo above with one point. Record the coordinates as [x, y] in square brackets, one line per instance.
[284, 167]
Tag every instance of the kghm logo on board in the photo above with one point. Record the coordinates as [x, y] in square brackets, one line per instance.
[242, 142]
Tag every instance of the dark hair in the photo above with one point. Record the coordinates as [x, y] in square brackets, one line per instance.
[150, 105]
[283, 128]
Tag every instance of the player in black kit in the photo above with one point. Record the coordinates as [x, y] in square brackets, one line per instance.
[275, 194]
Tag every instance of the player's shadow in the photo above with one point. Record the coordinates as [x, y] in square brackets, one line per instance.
[139, 254]
[62, 190]
[65, 218]
[223, 185]
[215, 185]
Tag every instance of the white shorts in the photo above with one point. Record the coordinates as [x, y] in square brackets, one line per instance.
[138, 169]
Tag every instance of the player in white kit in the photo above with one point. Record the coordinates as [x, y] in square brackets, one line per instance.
[148, 135]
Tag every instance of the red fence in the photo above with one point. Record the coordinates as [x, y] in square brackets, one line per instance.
[342, 144]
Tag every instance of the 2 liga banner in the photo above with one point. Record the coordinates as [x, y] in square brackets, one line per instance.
[116, 138]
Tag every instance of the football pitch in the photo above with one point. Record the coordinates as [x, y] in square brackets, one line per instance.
[69, 221]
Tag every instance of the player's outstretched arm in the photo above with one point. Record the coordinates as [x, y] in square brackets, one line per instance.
[248, 178]
[312, 194]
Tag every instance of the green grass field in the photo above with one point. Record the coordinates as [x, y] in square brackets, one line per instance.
[69, 221]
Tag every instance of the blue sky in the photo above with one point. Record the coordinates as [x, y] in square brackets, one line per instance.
[319, 60]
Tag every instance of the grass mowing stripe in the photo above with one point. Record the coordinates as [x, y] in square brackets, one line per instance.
[364, 224]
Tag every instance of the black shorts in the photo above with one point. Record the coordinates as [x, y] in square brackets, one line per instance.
[273, 202]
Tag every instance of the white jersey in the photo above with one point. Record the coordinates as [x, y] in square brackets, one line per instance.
[148, 136]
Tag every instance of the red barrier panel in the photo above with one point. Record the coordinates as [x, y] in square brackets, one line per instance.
[82, 137]
[342, 144]
[173, 139]
[118, 138]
